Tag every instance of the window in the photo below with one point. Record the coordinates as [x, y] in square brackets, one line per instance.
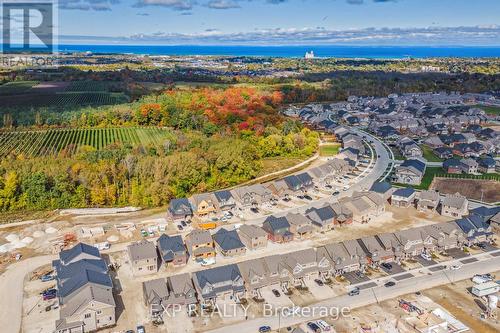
[87, 315]
[99, 311]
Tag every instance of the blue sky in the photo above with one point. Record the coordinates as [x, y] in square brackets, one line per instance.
[281, 22]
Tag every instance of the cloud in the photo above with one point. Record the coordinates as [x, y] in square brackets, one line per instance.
[96, 5]
[142, 14]
[223, 4]
[429, 36]
[172, 4]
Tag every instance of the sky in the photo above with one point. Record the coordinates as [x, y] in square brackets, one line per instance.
[280, 22]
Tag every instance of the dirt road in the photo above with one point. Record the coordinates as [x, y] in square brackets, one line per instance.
[11, 285]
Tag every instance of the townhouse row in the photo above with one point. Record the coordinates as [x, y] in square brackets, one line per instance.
[295, 269]
[258, 195]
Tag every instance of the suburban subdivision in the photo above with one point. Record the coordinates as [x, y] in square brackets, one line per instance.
[365, 239]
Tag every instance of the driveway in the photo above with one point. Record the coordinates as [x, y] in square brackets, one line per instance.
[396, 269]
[320, 292]
[457, 253]
[12, 287]
[425, 262]
[282, 301]
[353, 278]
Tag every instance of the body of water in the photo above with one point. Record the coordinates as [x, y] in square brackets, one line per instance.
[371, 52]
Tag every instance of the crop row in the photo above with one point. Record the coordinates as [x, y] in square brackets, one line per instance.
[69, 141]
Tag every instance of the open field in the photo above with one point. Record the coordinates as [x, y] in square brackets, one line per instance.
[55, 141]
[491, 110]
[429, 154]
[329, 149]
[273, 164]
[16, 87]
[471, 188]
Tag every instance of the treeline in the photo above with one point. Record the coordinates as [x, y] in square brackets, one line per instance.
[117, 176]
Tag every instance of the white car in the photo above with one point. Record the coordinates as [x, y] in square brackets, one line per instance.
[426, 256]
[324, 325]
[455, 267]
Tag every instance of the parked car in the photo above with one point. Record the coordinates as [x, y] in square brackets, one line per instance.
[353, 292]
[389, 284]
[141, 329]
[180, 227]
[307, 197]
[183, 223]
[324, 325]
[48, 296]
[319, 282]
[387, 266]
[144, 233]
[426, 256]
[336, 193]
[455, 267]
[47, 277]
[264, 329]
[481, 246]
[313, 327]
[254, 210]
[49, 291]
[276, 293]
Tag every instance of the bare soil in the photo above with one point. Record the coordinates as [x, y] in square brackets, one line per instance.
[470, 188]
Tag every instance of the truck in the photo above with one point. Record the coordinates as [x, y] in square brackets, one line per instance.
[102, 246]
[485, 288]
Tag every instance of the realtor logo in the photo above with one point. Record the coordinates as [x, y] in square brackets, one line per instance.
[28, 26]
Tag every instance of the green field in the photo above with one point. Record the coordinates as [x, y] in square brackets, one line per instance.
[329, 149]
[429, 154]
[69, 141]
[491, 110]
[16, 87]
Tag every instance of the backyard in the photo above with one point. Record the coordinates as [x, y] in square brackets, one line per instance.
[330, 149]
[429, 154]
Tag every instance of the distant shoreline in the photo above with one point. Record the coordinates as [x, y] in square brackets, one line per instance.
[320, 51]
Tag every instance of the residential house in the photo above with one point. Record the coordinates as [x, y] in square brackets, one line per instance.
[434, 142]
[294, 184]
[364, 205]
[375, 250]
[411, 242]
[323, 218]
[252, 196]
[306, 181]
[445, 235]
[403, 197]
[383, 188]
[179, 210]
[278, 274]
[428, 201]
[161, 294]
[356, 252]
[143, 257]
[454, 166]
[391, 243]
[443, 152]
[487, 165]
[471, 166]
[280, 189]
[475, 230]
[224, 282]
[254, 237]
[495, 223]
[454, 205]
[343, 215]
[228, 243]
[172, 250]
[410, 172]
[300, 225]
[85, 291]
[203, 204]
[278, 229]
[255, 276]
[341, 259]
[301, 265]
[224, 200]
[200, 244]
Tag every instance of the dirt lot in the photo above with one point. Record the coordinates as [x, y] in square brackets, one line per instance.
[471, 188]
[467, 308]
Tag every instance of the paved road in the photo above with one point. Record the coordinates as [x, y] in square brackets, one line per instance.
[12, 287]
[372, 295]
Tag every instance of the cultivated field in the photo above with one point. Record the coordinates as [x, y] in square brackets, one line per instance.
[69, 141]
[471, 188]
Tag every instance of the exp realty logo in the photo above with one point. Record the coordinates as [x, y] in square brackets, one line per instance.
[28, 26]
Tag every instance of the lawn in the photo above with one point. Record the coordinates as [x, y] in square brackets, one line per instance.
[329, 149]
[429, 154]
[429, 175]
[397, 154]
[491, 110]
[273, 164]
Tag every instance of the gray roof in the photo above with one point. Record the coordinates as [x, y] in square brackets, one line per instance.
[381, 187]
[404, 192]
[141, 250]
[197, 237]
[169, 246]
[223, 195]
[252, 231]
[276, 223]
[83, 297]
[228, 239]
[454, 200]
[69, 286]
[67, 256]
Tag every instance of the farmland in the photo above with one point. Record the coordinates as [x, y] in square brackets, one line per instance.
[69, 141]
